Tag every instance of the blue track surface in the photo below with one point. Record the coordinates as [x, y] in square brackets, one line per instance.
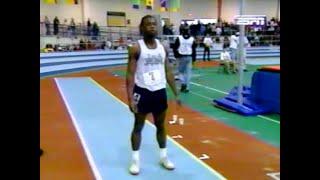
[104, 126]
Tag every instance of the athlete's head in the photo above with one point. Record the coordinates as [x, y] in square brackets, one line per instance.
[148, 26]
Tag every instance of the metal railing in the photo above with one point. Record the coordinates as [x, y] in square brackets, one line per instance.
[110, 33]
[115, 37]
[114, 33]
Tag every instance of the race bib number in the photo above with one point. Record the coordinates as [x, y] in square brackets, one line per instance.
[152, 77]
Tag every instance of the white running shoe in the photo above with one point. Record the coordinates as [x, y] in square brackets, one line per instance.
[166, 163]
[134, 168]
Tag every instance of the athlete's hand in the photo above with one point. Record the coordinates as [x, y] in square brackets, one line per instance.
[133, 107]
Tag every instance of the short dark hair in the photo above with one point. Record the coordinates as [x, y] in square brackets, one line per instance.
[142, 21]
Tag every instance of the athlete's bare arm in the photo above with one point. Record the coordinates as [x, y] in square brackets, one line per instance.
[134, 52]
[170, 77]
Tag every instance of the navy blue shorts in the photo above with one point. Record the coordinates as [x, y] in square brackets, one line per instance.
[150, 101]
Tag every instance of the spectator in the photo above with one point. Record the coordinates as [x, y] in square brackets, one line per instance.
[202, 29]
[82, 45]
[166, 44]
[56, 47]
[47, 23]
[208, 30]
[198, 28]
[90, 45]
[77, 48]
[226, 41]
[173, 29]
[194, 51]
[218, 31]
[193, 30]
[95, 30]
[217, 45]
[207, 42]
[109, 44]
[256, 40]
[233, 46]
[65, 27]
[121, 41]
[73, 27]
[129, 41]
[270, 28]
[56, 26]
[226, 62]
[212, 28]
[72, 47]
[88, 27]
[222, 30]
[48, 48]
[167, 30]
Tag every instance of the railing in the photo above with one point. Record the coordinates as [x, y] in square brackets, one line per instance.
[115, 33]
[111, 33]
[115, 37]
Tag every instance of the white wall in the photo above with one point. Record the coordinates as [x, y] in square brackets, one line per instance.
[96, 9]
[263, 7]
[62, 11]
[230, 8]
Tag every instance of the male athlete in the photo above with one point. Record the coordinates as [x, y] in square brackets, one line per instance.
[148, 72]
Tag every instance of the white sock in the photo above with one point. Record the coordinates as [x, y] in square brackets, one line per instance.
[135, 156]
[163, 153]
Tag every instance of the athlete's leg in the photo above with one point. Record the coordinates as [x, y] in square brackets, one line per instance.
[140, 99]
[139, 119]
[159, 119]
[204, 54]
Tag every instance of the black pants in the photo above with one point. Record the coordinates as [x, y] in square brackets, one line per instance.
[194, 56]
[206, 51]
[55, 30]
[150, 101]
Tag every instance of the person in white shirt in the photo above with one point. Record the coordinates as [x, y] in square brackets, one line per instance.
[226, 62]
[184, 50]
[109, 44]
[207, 42]
[218, 31]
[217, 45]
[233, 46]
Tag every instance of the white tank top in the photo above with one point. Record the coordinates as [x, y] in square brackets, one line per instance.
[150, 72]
[185, 47]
